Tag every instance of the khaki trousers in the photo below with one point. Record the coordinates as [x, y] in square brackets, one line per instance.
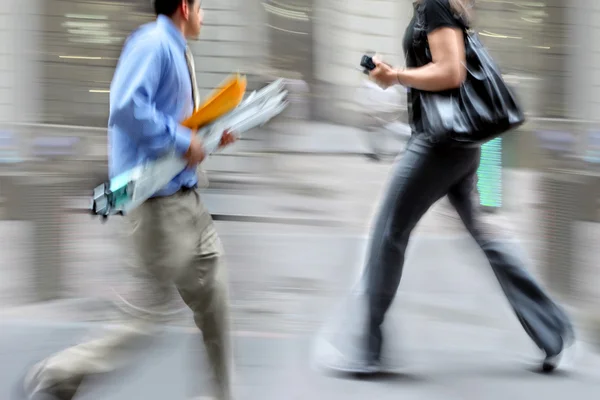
[174, 249]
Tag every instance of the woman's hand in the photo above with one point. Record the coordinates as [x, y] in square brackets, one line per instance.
[383, 74]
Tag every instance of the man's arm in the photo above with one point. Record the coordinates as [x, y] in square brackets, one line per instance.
[133, 96]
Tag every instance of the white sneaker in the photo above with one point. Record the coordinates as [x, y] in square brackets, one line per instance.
[328, 358]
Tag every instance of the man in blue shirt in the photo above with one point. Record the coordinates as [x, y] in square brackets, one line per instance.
[174, 246]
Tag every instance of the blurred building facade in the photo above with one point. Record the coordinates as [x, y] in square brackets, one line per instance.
[58, 56]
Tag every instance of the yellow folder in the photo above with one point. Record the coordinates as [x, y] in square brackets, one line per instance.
[222, 100]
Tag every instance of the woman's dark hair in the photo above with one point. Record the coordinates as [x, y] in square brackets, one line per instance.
[464, 8]
[169, 7]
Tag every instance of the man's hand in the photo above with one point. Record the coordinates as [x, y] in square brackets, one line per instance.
[195, 154]
[383, 74]
[227, 139]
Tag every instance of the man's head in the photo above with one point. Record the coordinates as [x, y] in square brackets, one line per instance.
[186, 14]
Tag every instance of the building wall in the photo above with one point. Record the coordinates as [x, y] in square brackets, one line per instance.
[584, 61]
[229, 42]
[546, 48]
[79, 49]
[530, 41]
[345, 30]
[557, 50]
[7, 59]
[60, 63]
[19, 73]
[514, 34]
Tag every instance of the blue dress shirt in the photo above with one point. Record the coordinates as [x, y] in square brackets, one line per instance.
[150, 94]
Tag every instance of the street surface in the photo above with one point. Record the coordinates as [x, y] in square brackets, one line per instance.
[437, 360]
[452, 333]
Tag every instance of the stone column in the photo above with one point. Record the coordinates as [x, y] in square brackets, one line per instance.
[19, 71]
[583, 60]
[27, 19]
[583, 63]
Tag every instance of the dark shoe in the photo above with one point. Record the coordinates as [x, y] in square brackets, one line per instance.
[19, 393]
[66, 391]
[564, 358]
[373, 157]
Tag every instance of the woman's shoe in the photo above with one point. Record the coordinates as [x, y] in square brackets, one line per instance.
[564, 358]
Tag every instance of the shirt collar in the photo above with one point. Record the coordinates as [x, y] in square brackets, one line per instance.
[166, 23]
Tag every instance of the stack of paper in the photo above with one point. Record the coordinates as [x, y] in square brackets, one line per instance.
[223, 110]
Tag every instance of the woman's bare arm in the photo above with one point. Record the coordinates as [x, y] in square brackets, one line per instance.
[446, 71]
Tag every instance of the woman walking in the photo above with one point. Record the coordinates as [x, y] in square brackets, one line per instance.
[437, 51]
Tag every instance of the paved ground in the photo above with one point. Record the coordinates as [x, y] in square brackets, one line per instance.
[286, 265]
[436, 360]
[458, 336]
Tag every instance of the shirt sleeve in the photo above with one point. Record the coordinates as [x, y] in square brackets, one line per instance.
[133, 97]
[438, 14]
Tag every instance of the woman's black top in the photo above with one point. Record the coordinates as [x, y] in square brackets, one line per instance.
[429, 15]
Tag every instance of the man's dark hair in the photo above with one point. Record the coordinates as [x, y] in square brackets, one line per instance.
[169, 7]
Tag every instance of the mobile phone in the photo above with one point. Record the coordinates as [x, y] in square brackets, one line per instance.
[367, 63]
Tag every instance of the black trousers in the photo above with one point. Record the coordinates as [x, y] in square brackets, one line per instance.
[423, 175]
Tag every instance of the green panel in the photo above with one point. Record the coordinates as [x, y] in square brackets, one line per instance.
[490, 174]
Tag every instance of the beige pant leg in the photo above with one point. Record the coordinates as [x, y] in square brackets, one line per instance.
[162, 239]
[204, 289]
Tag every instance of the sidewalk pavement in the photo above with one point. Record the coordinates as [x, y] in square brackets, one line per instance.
[435, 361]
[286, 280]
[339, 192]
[284, 275]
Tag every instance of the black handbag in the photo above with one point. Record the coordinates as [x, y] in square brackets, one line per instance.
[481, 109]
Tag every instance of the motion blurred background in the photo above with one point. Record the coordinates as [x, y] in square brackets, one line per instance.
[294, 199]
